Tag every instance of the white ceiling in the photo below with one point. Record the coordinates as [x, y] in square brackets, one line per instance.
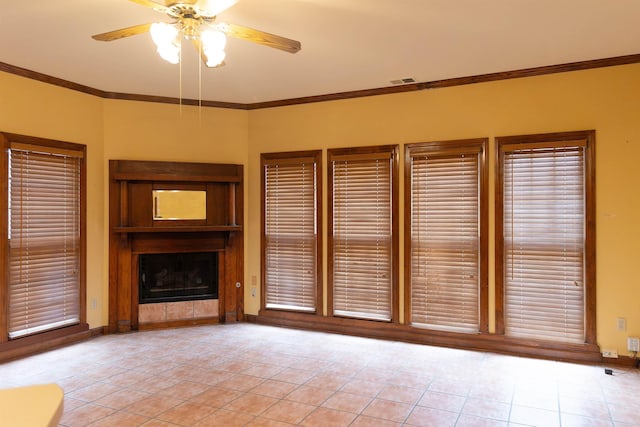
[347, 45]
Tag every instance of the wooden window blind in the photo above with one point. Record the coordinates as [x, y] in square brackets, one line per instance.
[445, 244]
[44, 239]
[291, 232]
[362, 273]
[544, 245]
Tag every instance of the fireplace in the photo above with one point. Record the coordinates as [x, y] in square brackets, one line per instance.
[177, 277]
[203, 282]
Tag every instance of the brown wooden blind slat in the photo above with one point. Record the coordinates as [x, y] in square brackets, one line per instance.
[362, 247]
[445, 251]
[44, 240]
[290, 234]
[544, 235]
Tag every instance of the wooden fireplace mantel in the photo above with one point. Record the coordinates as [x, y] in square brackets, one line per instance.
[133, 231]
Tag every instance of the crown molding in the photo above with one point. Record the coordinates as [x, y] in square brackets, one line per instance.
[436, 84]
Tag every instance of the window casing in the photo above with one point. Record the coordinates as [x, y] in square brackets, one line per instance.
[291, 240]
[45, 256]
[545, 237]
[363, 233]
[446, 236]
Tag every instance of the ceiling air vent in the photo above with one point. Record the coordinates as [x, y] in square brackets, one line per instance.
[403, 81]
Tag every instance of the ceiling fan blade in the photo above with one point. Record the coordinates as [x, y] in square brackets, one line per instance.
[260, 37]
[157, 4]
[121, 33]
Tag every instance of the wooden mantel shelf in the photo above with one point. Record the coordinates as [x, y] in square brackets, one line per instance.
[178, 229]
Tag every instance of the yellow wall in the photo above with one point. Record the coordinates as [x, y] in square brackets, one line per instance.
[165, 132]
[606, 100]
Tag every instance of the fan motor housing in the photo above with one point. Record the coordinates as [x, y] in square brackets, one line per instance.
[185, 11]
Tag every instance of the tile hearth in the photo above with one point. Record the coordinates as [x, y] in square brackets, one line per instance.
[181, 310]
[246, 374]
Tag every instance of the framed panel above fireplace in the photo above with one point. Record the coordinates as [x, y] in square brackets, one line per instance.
[176, 205]
[135, 233]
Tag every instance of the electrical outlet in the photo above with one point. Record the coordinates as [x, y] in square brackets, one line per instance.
[622, 324]
[253, 291]
[94, 304]
[613, 354]
[633, 344]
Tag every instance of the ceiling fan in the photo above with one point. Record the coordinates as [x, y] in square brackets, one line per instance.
[195, 21]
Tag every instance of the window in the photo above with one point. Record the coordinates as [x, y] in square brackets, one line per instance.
[363, 232]
[290, 237]
[446, 239]
[45, 256]
[545, 227]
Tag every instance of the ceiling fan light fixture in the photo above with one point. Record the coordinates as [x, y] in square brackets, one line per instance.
[213, 39]
[166, 38]
[214, 57]
[170, 53]
[163, 34]
[213, 44]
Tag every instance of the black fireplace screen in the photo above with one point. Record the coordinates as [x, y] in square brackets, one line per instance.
[178, 277]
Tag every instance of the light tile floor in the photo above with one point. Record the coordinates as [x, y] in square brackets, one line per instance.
[246, 374]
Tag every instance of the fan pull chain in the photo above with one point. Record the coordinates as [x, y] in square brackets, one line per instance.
[200, 89]
[180, 77]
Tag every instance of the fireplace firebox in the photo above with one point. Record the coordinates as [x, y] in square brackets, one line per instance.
[177, 277]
